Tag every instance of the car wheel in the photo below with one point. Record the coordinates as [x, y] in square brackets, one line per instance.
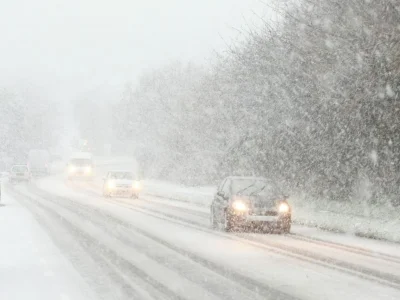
[135, 196]
[227, 222]
[213, 222]
[285, 228]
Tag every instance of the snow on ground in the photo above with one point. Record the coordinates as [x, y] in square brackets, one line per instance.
[348, 221]
[31, 266]
[201, 196]
[382, 223]
[377, 222]
[233, 255]
[186, 194]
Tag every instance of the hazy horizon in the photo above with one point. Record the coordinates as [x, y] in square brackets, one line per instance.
[65, 49]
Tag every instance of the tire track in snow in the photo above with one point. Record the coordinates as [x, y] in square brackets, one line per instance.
[104, 269]
[122, 267]
[328, 262]
[257, 287]
[353, 249]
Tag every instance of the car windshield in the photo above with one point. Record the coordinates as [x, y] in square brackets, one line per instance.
[249, 186]
[81, 162]
[121, 175]
[19, 169]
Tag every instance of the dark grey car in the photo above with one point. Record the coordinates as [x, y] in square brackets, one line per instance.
[250, 203]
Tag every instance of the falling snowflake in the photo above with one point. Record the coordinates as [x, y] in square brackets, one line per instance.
[389, 91]
[374, 157]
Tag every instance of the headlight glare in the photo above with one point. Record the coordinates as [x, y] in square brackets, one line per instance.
[284, 207]
[88, 169]
[239, 205]
[111, 185]
[136, 185]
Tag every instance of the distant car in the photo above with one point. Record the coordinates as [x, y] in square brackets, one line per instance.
[121, 183]
[39, 162]
[80, 168]
[20, 173]
[250, 203]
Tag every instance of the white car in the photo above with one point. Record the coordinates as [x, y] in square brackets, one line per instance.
[80, 168]
[20, 173]
[121, 183]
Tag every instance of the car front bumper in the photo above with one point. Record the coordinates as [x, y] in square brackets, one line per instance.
[80, 175]
[262, 219]
[258, 221]
[123, 191]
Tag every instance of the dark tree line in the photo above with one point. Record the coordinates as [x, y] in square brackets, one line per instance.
[311, 102]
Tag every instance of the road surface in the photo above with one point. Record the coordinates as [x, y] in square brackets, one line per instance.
[158, 248]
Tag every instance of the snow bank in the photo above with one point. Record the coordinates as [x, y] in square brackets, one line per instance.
[201, 196]
[31, 266]
[378, 222]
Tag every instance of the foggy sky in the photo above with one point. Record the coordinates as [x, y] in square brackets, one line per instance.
[71, 46]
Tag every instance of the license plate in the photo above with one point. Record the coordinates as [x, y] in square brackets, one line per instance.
[120, 192]
[262, 218]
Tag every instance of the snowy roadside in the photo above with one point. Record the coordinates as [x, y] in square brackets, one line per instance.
[201, 196]
[377, 223]
[349, 220]
[31, 266]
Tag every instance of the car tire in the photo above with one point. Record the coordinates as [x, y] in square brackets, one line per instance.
[135, 196]
[227, 222]
[213, 222]
[286, 228]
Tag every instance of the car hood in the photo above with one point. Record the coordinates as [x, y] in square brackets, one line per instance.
[122, 181]
[80, 166]
[263, 202]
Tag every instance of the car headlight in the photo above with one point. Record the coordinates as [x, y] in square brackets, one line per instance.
[72, 169]
[88, 169]
[239, 205]
[111, 185]
[136, 185]
[284, 207]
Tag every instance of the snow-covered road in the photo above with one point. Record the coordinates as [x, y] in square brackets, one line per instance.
[156, 248]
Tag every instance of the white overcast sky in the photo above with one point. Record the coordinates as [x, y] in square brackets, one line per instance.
[76, 45]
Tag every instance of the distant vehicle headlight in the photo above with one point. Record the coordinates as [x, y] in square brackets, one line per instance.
[88, 169]
[71, 169]
[111, 185]
[239, 205]
[136, 185]
[284, 207]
